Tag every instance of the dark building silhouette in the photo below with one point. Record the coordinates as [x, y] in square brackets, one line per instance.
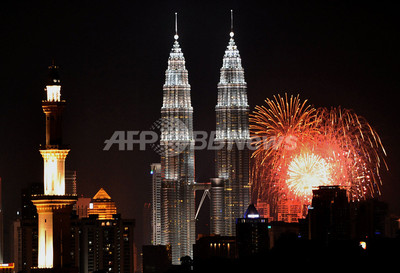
[28, 209]
[26, 236]
[106, 245]
[329, 215]
[280, 229]
[156, 258]
[252, 236]
[371, 219]
[215, 246]
[214, 252]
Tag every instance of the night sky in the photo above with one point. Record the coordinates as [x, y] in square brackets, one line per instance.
[113, 56]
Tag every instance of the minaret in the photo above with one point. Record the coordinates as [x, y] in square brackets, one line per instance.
[177, 159]
[232, 133]
[53, 153]
[54, 206]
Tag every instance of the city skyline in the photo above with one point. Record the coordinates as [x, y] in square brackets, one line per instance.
[94, 116]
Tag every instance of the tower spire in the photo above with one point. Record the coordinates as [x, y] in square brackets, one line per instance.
[231, 33]
[176, 36]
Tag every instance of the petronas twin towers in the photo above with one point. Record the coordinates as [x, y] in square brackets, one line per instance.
[177, 151]
[177, 159]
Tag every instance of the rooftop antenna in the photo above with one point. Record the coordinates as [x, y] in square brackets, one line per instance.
[176, 26]
[231, 34]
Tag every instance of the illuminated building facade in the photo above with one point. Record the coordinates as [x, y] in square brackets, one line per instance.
[264, 210]
[82, 207]
[232, 134]
[217, 224]
[177, 158]
[102, 205]
[289, 211]
[70, 182]
[54, 206]
[106, 240]
[155, 171]
[16, 249]
[7, 267]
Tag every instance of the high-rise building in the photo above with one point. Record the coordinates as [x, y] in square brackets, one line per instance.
[329, 214]
[371, 219]
[25, 230]
[155, 171]
[106, 240]
[156, 258]
[16, 246]
[70, 182]
[147, 228]
[252, 237]
[29, 244]
[82, 207]
[54, 206]
[264, 210]
[106, 245]
[28, 209]
[217, 224]
[289, 211]
[177, 158]
[232, 134]
[102, 205]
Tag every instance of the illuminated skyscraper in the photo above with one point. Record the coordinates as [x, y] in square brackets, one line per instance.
[232, 133]
[177, 158]
[106, 240]
[54, 206]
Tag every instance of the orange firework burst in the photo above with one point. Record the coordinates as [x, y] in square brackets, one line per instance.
[278, 131]
[282, 123]
[305, 172]
[299, 147]
[354, 148]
